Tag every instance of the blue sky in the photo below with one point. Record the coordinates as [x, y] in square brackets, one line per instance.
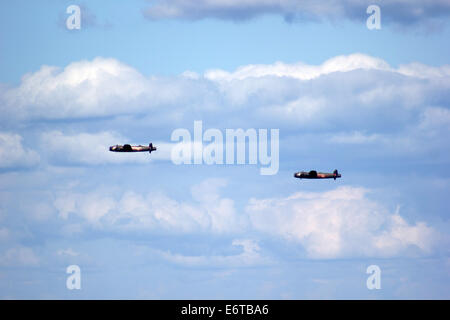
[372, 103]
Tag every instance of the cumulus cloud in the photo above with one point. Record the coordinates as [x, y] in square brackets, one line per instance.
[340, 223]
[82, 88]
[155, 212]
[106, 87]
[352, 99]
[13, 154]
[303, 71]
[343, 222]
[336, 64]
[98, 88]
[395, 11]
[90, 207]
[250, 256]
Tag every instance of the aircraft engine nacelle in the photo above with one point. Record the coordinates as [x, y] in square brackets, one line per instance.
[313, 174]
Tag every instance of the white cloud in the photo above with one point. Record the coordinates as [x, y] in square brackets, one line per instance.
[97, 88]
[355, 99]
[155, 212]
[420, 70]
[107, 87]
[91, 207]
[223, 217]
[340, 223]
[83, 88]
[342, 63]
[401, 235]
[301, 70]
[13, 154]
[250, 256]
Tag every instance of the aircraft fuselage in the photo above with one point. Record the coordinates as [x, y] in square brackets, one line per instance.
[129, 148]
[316, 175]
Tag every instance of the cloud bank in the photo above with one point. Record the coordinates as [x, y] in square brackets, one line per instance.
[155, 212]
[355, 104]
[404, 13]
[340, 223]
[347, 100]
[279, 92]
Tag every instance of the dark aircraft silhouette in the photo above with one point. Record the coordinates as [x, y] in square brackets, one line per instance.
[128, 148]
[317, 175]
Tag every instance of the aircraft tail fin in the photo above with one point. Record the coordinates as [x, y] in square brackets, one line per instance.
[335, 174]
[151, 148]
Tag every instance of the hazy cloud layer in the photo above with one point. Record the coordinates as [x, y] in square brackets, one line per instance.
[250, 256]
[399, 12]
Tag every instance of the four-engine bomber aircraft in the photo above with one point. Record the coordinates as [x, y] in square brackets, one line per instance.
[317, 175]
[301, 175]
[128, 148]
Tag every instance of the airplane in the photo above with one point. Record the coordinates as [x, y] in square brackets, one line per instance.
[317, 175]
[128, 148]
